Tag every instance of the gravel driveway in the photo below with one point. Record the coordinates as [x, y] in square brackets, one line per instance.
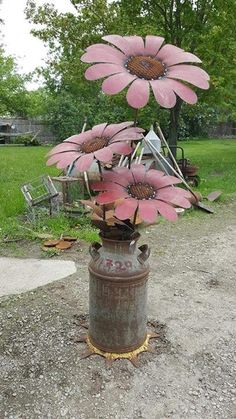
[192, 299]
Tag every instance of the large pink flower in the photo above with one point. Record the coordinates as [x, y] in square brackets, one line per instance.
[150, 191]
[145, 64]
[98, 143]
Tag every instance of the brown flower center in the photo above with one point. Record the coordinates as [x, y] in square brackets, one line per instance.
[141, 191]
[148, 68]
[94, 144]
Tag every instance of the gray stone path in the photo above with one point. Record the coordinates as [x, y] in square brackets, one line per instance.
[21, 275]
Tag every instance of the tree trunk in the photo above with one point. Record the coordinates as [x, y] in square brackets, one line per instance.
[174, 125]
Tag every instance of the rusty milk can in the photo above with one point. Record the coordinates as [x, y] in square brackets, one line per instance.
[118, 295]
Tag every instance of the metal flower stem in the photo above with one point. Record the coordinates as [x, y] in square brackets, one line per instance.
[135, 216]
[100, 172]
[135, 124]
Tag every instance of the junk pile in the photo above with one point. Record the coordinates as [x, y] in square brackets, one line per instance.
[65, 192]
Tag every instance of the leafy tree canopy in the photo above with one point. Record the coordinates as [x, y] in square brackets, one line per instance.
[13, 97]
[204, 27]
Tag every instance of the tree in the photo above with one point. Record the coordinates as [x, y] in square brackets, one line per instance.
[204, 27]
[13, 95]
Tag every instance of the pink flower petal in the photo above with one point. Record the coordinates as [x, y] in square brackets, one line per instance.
[112, 129]
[120, 42]
[167, 51]
[60, 148]
[166, 181]
[99, 56]
[179, 191]
[104, 155]
[183, 91]
[65, 158]
[126, 209]
[121, 148]
[153, 176]
[147, 211]
[152, 44]
[98, 71]
[174, 198]
[189, 69]
[116, 83]
[182, 57]
[97, 130]
[79, 138]
[53, 160]
[192, 75]
[166, 210]
[136, 43]
[132, 133]
[84, 162]
[120, 175]
[107, 186]
[190, 78]
[160, 180]
[163, 94]
[101, 48]
[138, 172]
[109, 197]
[138, 94]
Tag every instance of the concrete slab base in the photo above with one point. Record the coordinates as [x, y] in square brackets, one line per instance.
[21, 275]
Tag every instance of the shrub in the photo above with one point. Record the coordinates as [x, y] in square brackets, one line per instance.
[26, 139]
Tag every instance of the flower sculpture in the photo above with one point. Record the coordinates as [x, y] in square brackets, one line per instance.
[147, 191]
[127, 196]
[145, 64]
[99, 143]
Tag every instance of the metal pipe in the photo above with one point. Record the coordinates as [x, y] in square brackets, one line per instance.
[174, 171]
[149, 144]
[169, 150]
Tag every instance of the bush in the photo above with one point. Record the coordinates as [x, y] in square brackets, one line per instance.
[26, 139]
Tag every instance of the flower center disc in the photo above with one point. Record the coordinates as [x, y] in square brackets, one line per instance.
[94, 144]
[145, 67]
[141, 191]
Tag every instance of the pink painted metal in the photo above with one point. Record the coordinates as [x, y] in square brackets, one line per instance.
[136, 189]
[99, 143]
[146, 64]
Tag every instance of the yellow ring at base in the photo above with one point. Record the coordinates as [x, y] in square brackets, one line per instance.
[112, 355]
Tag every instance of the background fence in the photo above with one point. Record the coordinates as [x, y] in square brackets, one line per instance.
[13, 126]
[21, 126]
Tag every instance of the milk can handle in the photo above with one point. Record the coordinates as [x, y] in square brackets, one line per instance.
[145, 253]
[94, 250]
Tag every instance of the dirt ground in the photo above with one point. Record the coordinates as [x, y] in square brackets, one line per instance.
[191, 296]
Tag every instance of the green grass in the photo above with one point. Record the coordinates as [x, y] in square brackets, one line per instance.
[217, 164]
[18, 165]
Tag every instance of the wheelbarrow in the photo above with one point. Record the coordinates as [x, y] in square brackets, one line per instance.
[188, 170]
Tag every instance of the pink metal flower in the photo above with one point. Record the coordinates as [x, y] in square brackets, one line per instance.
[150, 191]
[145, 64]
[98, 143]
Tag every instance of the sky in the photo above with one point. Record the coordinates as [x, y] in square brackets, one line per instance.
[17, 40]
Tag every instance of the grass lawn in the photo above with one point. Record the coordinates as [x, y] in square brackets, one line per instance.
[215, 158]
[217, 164]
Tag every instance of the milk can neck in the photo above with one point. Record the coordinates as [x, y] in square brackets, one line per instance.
[120, 246]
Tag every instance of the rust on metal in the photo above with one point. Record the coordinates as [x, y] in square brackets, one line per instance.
[118, 295]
